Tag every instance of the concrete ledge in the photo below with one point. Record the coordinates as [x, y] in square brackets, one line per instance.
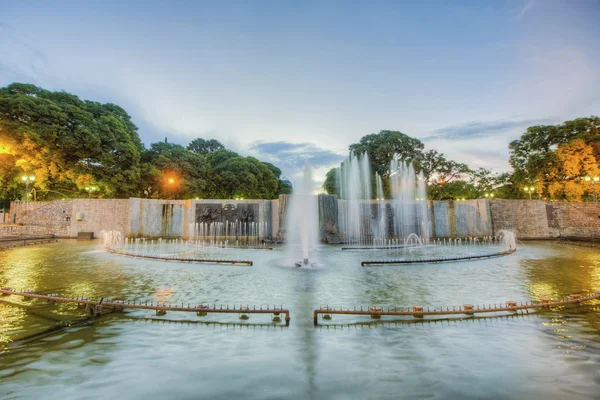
[85, 235]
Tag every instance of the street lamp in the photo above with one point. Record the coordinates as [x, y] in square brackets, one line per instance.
[27, 179]
[529, 190]
[593, 181]
[90, 189]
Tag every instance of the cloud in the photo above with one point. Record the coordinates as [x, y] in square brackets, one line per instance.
[297, 153]
[528, 4]
[478, 129]
[294, 155]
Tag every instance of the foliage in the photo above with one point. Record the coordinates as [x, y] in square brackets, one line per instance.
[204, 146]
[383, 146]
[330, 185]
[66, 143]
[534, 156]
[171, 171]
[454, 190]
[69, 144]
[573, 162]
[244, 177]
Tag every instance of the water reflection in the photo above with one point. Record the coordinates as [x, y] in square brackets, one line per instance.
[219, 357]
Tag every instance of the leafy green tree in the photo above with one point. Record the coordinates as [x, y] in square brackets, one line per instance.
[244, 177]
[454, 190]
[383, 146]
[68, 143]
[171, 171]
[331, 185]
[533, 156]
[203, 146]
[283, 187]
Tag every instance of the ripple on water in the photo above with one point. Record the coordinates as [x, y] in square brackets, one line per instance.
[144, 356]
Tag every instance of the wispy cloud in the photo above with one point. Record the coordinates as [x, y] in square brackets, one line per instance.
[528, 5]
[477, 129]
[295, 154]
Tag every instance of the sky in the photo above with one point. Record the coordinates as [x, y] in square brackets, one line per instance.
[289, 81]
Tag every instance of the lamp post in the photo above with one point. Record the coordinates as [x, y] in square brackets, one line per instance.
[593, 181]
[90, 189]
[529, 190]
[27, 179]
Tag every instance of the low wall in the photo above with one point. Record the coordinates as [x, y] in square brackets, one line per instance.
[53, 217]
[98, 215]
[538, 219]
[573, 220]
[25, 230]
[529, 219]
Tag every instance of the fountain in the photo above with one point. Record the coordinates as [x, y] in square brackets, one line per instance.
[302, 224]
[374, 221]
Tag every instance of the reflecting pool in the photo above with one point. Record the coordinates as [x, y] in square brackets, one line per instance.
[55, 351]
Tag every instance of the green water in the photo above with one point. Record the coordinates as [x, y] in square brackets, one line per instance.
[136, 354]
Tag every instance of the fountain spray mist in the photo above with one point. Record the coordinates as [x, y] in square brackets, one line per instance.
[303, 222]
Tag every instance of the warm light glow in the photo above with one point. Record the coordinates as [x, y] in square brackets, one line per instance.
[587, 178]
[492, 195]
[171, 180]
[487, 195]
[4, 149]
[596, 179]
[531, 188]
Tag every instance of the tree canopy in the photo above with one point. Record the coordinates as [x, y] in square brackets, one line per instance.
[69, 144]
[382, 147]
[555, 159]
[203, 146]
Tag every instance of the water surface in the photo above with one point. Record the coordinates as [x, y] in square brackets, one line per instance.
[139, 355]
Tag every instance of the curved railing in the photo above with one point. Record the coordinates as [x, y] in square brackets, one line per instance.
[95, 307]
[439, 259]
[181, 259]
[466, 309]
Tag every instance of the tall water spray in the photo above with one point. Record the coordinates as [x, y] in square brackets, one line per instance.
[409, 200]
[367, 219]
[355, 189]
[303, 219]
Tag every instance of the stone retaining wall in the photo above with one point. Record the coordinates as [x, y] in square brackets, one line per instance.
[573, 220]
[96, 215]
[51, 217]
[529, 219]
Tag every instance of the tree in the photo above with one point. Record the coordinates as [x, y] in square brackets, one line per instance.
[68, 143]
[445, 173]
[202, 146]
[533, 155]
[454, 190]
[573, 162]
[244, 177]
[382, 147]
[283, 187]
[331, 185]
[172, 171]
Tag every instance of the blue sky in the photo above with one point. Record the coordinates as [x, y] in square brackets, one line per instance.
[287, 81]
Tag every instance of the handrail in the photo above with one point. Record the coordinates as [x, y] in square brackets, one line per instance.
[468, 309]
[95, 306]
